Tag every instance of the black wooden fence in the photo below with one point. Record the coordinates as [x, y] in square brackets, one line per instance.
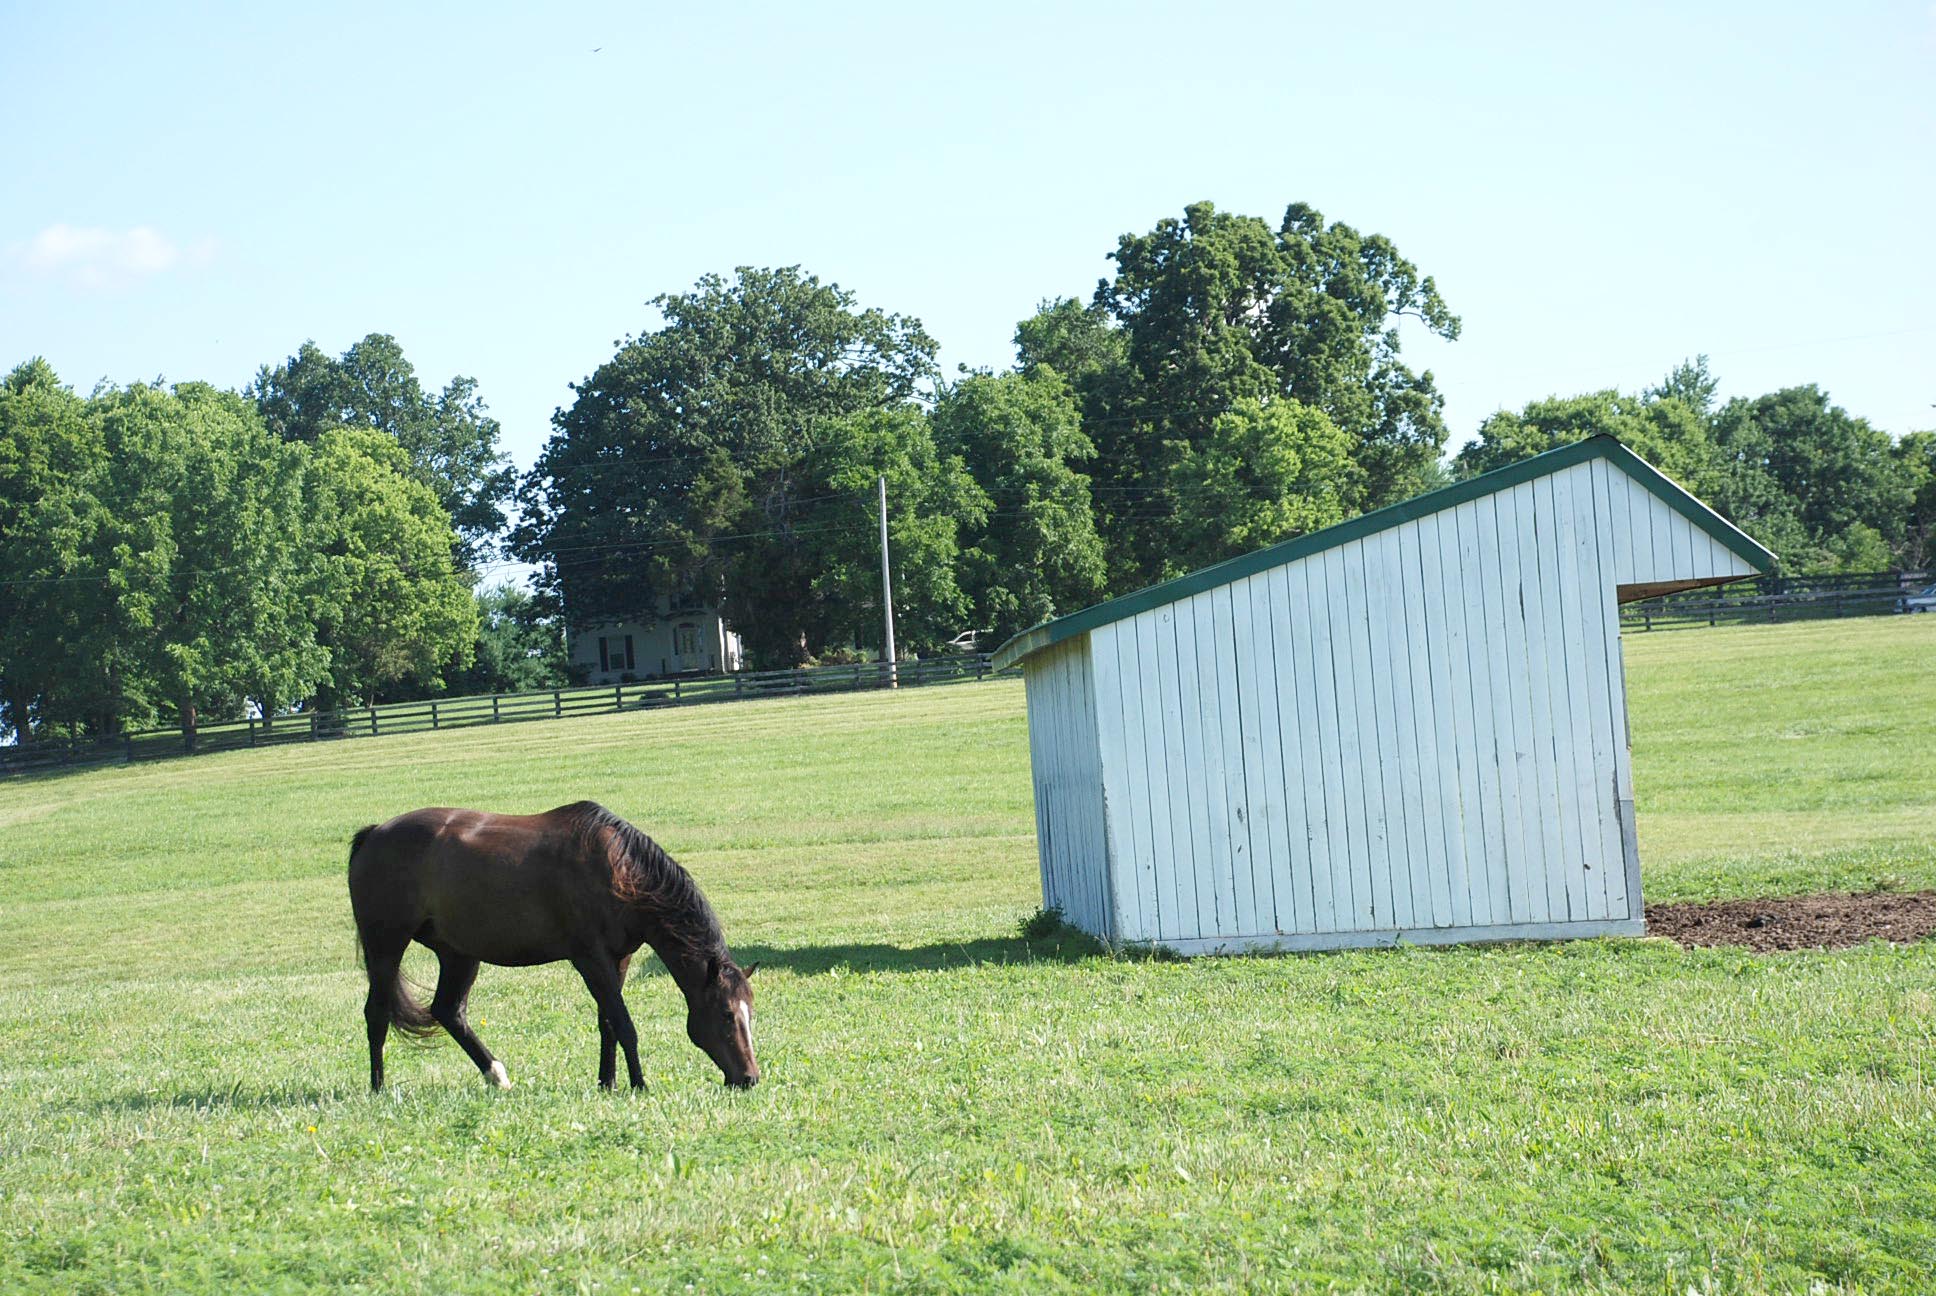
[489, 709]
[1775, 599]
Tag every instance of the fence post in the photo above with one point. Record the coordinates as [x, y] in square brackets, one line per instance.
[738, 681]
[128, 758]
[675, 689]
[251, 723]
[372, 719]
[312, 726]
[494, 716]
[557, 703]
[433, 713]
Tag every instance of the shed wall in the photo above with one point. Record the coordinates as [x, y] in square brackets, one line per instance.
[1070, 831]
[1420, 732]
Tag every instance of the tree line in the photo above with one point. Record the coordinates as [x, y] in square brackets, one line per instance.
[168, 553]
[1231, 385]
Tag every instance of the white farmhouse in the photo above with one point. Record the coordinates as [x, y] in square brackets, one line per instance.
[1411, 726]
[686, 638]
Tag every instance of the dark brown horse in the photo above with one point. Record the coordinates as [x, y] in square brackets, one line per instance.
[575, 883]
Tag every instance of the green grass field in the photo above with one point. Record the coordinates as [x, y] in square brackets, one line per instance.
[947, 1106]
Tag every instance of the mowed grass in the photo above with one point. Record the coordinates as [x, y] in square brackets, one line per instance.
[950, 1107]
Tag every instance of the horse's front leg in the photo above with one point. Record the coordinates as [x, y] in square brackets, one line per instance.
[603, 977]
[607, 1041]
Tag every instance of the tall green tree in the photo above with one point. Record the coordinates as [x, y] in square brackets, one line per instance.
[52, 593]
[1079, 342]
[1036, 553]
[1218, 311]
[1266, 473]
[517, 650]
[389, 605]
[207, 550]
[1916, 459]
[694, 461]
[795, 596]
[1820, 486]
[1665, 430]
[450, 438]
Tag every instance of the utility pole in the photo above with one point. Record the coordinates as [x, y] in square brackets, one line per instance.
[887, 593]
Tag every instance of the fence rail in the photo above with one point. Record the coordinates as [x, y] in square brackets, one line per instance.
[1775, 599]
[489, 709]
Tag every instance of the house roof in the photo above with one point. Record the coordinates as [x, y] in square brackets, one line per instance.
[1658, 483]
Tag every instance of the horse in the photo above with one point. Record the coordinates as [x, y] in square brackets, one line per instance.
[576, 883]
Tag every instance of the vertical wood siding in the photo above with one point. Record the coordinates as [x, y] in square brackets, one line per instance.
[1421, 731]
[1065, 754]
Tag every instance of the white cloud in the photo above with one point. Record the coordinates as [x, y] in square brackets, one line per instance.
[96, 258]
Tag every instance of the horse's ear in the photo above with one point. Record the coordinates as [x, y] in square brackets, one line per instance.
[749, 970]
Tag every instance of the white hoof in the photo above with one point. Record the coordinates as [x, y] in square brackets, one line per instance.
[499, 1076]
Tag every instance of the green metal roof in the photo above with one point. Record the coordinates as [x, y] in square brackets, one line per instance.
[1724, 532]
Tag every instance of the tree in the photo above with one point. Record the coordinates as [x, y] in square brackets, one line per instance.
[450, 438]
[517, 649]
[794, 596]
[1916, 460]
[1664, 430]
[1804, 473]
[389, 604]
[1265, 474]
[51, 594]
[694, 459]
[1081, 343]
[1217, 311]
[207, 553]
[1690, 383]
[1036, 555]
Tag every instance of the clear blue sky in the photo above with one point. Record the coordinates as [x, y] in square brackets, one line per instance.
[1599, 191]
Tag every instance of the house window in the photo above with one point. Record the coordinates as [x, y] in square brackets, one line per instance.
[610, 658]
[685, 639]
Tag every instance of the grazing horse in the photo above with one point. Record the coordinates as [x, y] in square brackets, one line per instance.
[575, 883]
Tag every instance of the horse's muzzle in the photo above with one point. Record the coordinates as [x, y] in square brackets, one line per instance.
[742, 1082]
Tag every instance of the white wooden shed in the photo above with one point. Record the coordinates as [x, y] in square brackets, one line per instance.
[1411, 726]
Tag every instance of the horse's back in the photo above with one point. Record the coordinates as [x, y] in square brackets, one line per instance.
[499, 886]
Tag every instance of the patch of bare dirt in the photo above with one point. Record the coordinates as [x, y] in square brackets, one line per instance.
[1798, 922]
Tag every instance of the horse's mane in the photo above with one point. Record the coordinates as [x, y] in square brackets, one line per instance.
[645, 876]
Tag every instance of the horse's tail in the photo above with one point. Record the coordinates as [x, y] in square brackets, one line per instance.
[406, 1014]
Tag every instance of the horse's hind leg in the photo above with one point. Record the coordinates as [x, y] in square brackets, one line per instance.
[384, 965]
[455, 976]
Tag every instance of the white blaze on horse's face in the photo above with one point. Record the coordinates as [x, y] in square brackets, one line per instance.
[745, 1011]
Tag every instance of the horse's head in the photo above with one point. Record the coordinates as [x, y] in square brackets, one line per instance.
[719, 1019]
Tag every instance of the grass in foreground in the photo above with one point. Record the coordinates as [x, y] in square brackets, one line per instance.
[949, 1106]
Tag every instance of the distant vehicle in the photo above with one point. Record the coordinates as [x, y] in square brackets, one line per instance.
[1922, 601]
[967, 641]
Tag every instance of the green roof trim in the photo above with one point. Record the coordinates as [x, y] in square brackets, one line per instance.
[1725, 533]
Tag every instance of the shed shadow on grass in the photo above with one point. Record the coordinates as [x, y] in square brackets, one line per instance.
[1064, 946]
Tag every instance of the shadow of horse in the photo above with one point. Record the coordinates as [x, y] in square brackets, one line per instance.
[234, 1098]
[1066, 946]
